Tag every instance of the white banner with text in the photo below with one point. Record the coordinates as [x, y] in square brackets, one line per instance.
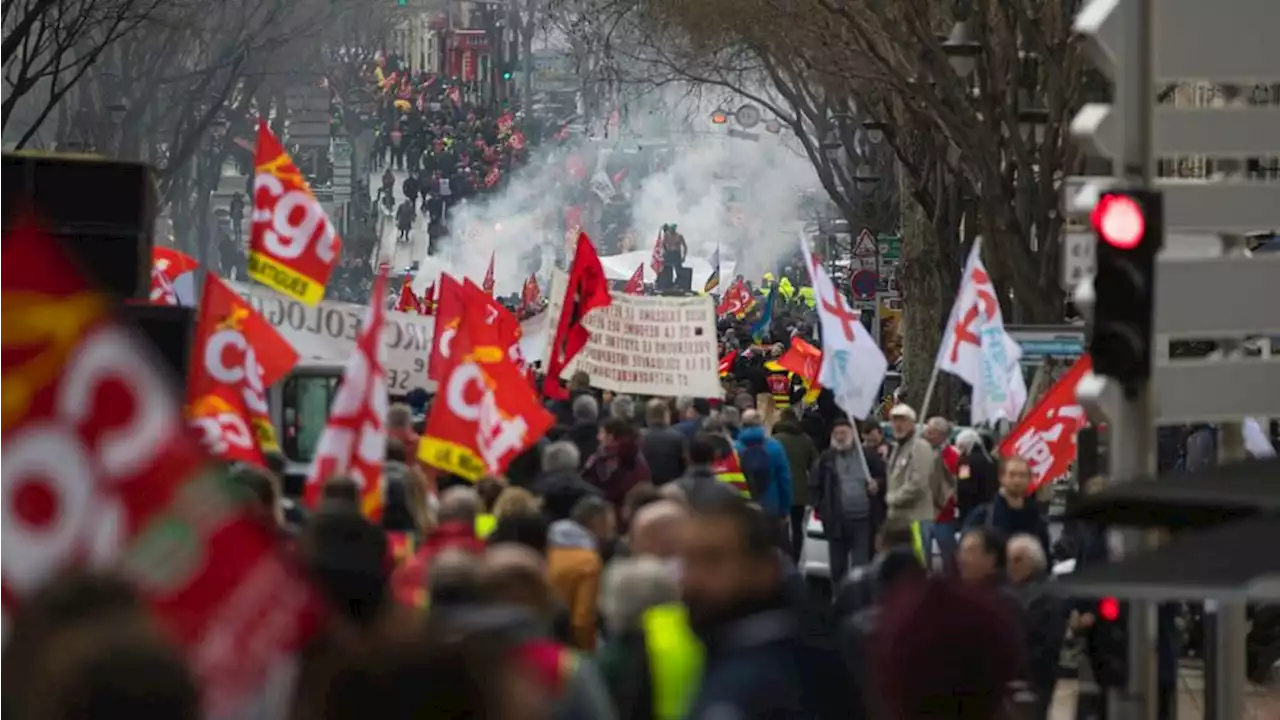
[646, 345]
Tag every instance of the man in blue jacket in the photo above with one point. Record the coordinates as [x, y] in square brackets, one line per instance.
[764, 462]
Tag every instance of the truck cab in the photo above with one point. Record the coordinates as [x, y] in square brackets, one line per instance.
[299, 411]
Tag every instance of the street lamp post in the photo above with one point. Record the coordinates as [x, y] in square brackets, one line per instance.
[865, 179]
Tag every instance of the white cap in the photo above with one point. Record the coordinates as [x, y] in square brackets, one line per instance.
[902, 410]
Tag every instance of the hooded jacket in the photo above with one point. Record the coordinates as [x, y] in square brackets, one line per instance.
[777, 498]
[573, 568]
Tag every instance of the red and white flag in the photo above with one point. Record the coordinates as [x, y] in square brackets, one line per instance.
[354, 442]
[635, 283]
[531, 294]
[977, 349]
[166, 267]
[656, 262]
[487, 285]
[1046, 437]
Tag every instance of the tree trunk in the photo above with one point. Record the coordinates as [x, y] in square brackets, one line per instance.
[526, 60]
[924, 298]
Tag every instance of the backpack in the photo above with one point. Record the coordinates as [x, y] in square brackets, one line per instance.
[757, 468]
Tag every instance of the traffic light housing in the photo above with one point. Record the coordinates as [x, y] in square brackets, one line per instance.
[1129, 230]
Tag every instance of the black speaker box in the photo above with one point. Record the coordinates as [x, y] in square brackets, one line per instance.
[169, 329]
[684, 278]
[102, 210]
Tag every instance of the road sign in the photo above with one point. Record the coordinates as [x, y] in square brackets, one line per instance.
[865, 244]
[1077, 259]
[1226, 40]
[864, 284]
[1245, 296]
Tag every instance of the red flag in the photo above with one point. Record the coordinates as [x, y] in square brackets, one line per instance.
[635, 283]
[166, 267]
[1046, 436]
[408, 302]
[516, 141]
[727, 362]
[455, 297]
[429, 300]
[737, 300]
[587, 290]
[802, 359]
[656, 262]
[487, 285]
[486, 413]
[491, 178]
[294, 247]
[354, 443]
[235, 357]
[531, 295]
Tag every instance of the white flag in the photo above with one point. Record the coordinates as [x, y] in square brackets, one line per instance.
[602, 185]
[853, 366]
[976, 348]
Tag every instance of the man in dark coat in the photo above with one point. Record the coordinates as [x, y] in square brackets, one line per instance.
[663, 447]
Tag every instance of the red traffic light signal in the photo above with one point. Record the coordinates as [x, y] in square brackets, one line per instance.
[719, 118]
[1109, 609]
[1119, 220]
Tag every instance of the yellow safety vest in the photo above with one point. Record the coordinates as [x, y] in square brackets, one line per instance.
[917, 545]
[728, 470]
[485, 525]
[676, 658]
[806, 294]
[779, 382]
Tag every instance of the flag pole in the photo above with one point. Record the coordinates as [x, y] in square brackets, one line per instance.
[933, 377]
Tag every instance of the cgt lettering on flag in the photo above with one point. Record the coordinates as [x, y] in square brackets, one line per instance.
[293, 247]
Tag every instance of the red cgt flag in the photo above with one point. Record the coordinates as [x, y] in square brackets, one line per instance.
[635, 283]
[354, 442]
[587, 290]
[531, 294]
[1046, 436]
[166, 267]
[486, 413]
[727, 362]
[737, 300]
[487, 284]
[802, 359]
[235, 357]
[99, 470]
[455, 298]
[294, 247]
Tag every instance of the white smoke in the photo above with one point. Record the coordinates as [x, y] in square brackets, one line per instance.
[709, 172]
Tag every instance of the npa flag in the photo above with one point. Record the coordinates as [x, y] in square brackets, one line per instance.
[530, 295]
[635, 283]
[713, 281]
[354, 443]
[166, 267]
[487, 285]
[235, 357]
[587, 290]
[737, 300]
[486, 413]
[1046, 436]
[976, 348]
[656, 261]
[294, 247]
[409, 302]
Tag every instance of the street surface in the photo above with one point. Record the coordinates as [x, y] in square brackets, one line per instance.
[398, 256]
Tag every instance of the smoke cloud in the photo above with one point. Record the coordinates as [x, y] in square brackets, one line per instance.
[744, 196]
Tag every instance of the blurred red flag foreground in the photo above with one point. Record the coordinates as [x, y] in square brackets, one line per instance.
[99, 471]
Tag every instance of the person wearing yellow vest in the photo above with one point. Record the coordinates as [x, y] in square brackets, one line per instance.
[675, 657]
[785, 386]
[807, 297]
[713, 463]
[787, 289]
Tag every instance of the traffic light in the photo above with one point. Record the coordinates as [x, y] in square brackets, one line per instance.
[719, 117]
[1128, 225]
[506, 75]
[1108, 644]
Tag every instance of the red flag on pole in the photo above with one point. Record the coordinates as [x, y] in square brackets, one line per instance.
[635, 284]
[656, 262]
[587, 290]
[487, 285]
[531, 295]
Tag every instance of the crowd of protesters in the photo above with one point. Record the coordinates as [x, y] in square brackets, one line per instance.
[639, 562]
